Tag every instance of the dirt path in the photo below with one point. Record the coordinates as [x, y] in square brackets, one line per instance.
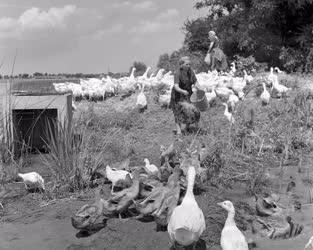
[50, 228]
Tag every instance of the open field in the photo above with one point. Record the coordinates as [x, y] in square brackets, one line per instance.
[34, 222]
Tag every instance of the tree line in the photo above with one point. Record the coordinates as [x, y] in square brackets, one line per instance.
[272, 32]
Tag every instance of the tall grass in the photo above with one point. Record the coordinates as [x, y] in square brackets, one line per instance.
[71, 159]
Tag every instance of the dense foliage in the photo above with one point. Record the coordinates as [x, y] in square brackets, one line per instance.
[279, 32]
[170, 62]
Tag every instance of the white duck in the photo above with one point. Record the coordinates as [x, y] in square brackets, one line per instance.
[168, 78]
[233, 69]
[232, 100]
[248, 78]
[231, 237]
[132, 77]
[228, 115]
[279, 87]
[238, 83]
[241, 95]
[164, 99]
[159, 75]
[74, 107]
[32, 180]
[141, 102]
[167, 74]
[144, 77]
[114, 175]
[187, 221]
[265, 96]
[211, 95]
[150, 168]
[272, 77]
[223, 92]
[278, 70]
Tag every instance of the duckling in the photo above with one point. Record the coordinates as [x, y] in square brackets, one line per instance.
[265, 96]
[32, 180]
[115, 175]
[187, 222]
[231, 237]
[228, 115]
[141, 102]
[151, 169]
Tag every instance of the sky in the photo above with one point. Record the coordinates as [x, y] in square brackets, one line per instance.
[94, 36]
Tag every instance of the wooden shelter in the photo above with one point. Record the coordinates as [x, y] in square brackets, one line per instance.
[30, 106]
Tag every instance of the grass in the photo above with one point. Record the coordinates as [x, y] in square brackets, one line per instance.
[112, 131]
[108, 132]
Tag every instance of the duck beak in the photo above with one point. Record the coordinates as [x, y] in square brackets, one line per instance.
[220, 203]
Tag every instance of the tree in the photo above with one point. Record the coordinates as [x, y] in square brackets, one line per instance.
[37, 74]
[164, 62]
[252, 27]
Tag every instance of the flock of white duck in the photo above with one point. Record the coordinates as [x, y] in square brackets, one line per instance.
[227, 86]
[187, 222]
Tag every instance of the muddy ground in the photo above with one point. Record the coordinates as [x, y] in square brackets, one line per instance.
[32, 223]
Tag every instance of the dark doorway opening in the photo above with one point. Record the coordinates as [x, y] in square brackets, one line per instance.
[31, 127]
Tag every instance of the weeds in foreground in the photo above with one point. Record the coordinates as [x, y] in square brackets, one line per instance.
[77, 149]
[70, 159]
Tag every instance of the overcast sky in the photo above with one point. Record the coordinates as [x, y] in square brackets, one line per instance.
[89, 36]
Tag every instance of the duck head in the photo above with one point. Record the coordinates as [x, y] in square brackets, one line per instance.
[227, 205]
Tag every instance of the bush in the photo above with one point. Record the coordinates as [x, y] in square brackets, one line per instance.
[293, 60]
[247, 63]
[170, 63]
